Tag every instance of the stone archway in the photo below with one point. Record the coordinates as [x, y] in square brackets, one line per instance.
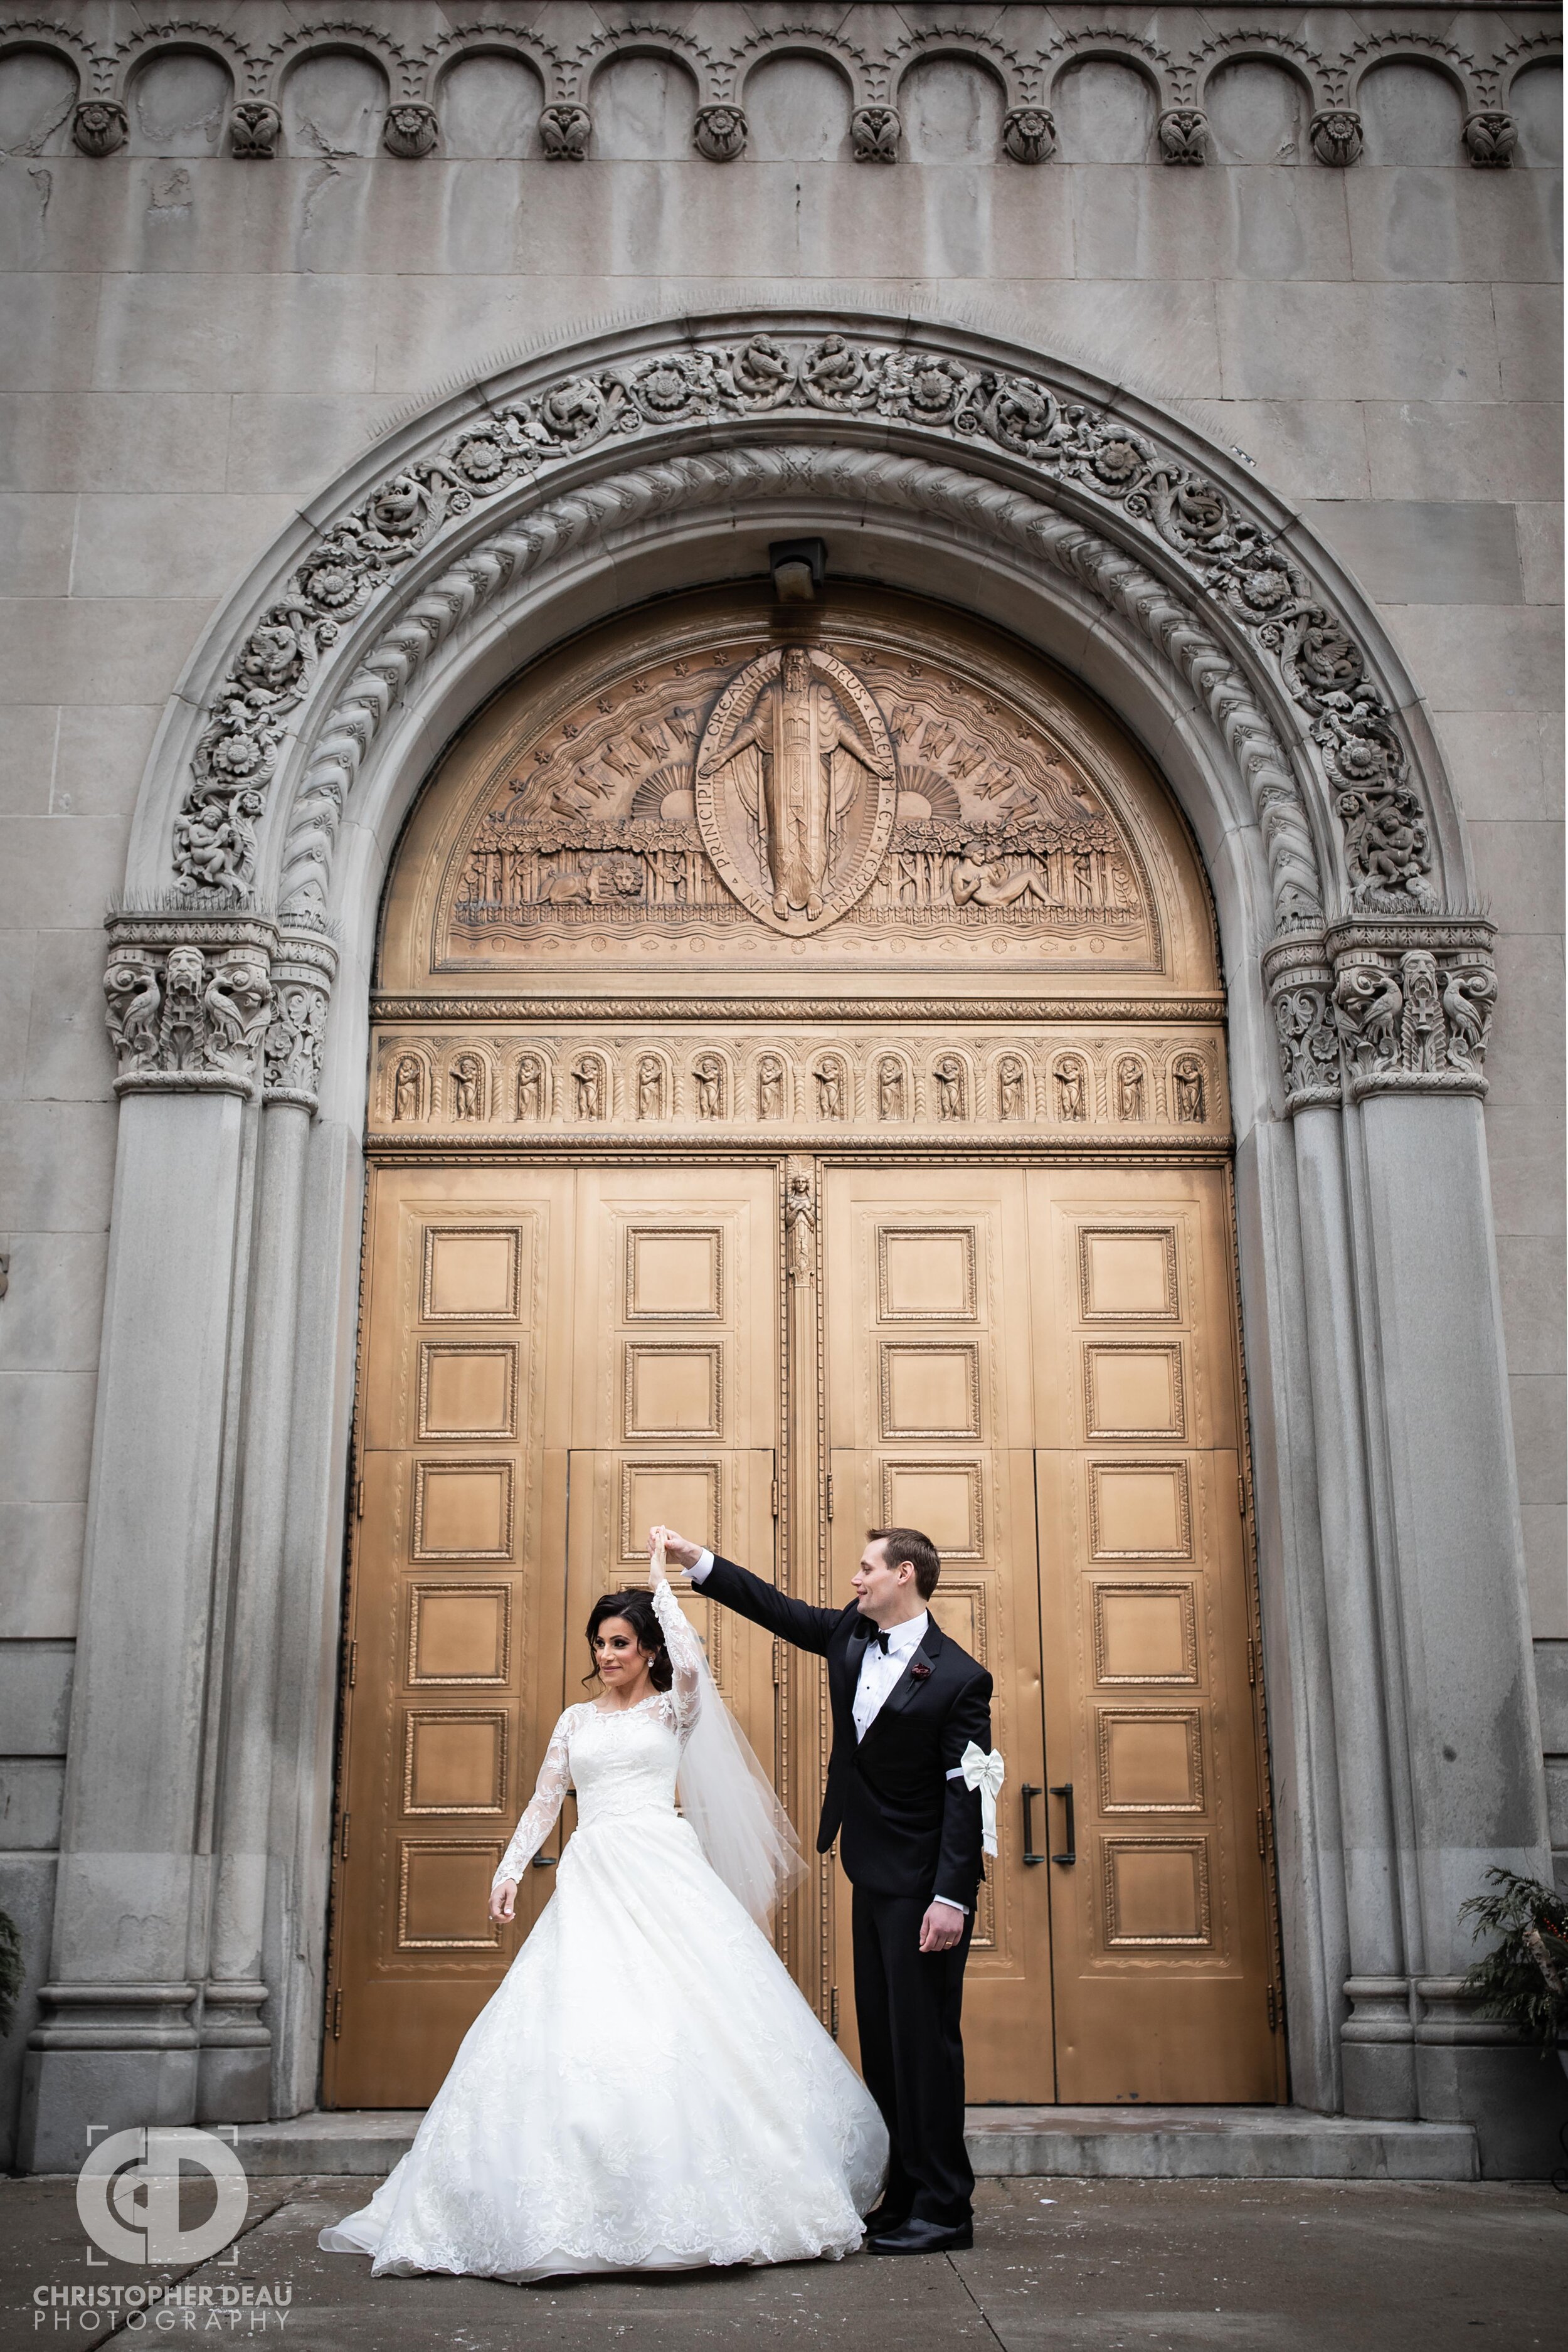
[1360, 994]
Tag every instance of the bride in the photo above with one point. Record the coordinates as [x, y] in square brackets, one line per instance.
[646, 2089]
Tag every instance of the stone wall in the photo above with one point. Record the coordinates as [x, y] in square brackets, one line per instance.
[237, 250]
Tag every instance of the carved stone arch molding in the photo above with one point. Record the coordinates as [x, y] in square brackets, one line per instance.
[503, 519]
[1200, 606]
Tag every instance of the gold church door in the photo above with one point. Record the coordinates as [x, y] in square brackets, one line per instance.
[676, 1402]
[975, 1044]
[1161, 1943]
[931, 1419]
[1039, 1369]
[551, 1360]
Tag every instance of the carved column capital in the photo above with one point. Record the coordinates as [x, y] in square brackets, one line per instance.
[1184, 135]
[253, 131]
[1370, 1006]
[410, 132]
[563, 133]
[1336, 137]
[1490, 138]
[1028, 134]
[187, 999]
[720, 133]
[303, 969]
[874, 134]
[1300, 982]
[100, 127]
[1413, 1003]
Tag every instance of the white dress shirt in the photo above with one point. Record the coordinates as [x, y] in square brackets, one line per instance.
[880, 1670]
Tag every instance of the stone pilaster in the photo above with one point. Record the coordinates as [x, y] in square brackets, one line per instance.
[203, 1005]
[236, 2037]
[1390, 1014]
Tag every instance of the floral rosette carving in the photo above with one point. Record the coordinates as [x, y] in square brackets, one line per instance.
[100, 127]
[1028, 134]
[215, 833]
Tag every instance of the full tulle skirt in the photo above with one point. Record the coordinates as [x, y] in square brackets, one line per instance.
[646, 2090]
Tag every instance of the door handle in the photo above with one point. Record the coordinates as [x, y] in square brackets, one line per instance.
[1065, 1790]
[1028, 1792]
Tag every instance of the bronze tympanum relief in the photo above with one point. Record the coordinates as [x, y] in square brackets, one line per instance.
[863, 781]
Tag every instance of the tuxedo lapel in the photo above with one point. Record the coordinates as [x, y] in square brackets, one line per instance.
[844, 1674]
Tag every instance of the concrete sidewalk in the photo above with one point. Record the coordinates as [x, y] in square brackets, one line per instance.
[1058, 2266]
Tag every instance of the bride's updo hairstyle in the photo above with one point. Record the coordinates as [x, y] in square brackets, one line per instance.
[636, 1608]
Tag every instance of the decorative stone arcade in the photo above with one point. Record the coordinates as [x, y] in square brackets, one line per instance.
[187, 1974]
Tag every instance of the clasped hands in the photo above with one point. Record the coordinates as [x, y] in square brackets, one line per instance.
[941, 1929]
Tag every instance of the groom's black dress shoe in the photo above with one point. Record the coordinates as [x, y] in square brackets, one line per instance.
[884, 2218]
[914, 2237]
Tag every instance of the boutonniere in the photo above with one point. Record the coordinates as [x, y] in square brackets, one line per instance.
[919, 1672]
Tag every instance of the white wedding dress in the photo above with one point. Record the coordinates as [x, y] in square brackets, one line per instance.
[646, 2089]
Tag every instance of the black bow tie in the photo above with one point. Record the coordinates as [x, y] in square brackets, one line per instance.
[878, 1635]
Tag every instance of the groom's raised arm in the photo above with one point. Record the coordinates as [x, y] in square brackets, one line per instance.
[749, 1596]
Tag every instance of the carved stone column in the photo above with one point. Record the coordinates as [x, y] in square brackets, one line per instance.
[1376, 2040]
[235, 2041]
[189, 998]
[1413, 1003]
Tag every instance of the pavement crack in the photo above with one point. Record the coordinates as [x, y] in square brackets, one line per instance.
[975, 2299]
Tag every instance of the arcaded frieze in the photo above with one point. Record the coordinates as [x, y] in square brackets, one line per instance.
[1025, 66]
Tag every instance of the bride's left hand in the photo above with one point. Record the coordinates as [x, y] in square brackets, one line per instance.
[656, 1568]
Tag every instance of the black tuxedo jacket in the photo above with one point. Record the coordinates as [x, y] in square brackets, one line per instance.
[906, 1829]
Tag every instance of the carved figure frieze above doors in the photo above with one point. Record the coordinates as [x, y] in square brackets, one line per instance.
[1146, 1084]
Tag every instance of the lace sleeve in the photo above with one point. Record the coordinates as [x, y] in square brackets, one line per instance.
[685, 1657]
[543, 1807]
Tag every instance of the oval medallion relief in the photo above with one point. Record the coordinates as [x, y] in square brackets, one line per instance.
[796, 788]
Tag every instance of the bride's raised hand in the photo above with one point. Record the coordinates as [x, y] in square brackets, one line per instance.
[676, 1547]
[503, 1902]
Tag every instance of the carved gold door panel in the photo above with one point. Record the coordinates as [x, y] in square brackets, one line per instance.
[676, 1398]
[1039, 1369]
[1162, 1947]
[549, 1361]
[931, 1419]
[455, 1635]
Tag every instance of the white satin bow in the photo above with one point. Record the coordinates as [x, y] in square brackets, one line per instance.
[985, 1773]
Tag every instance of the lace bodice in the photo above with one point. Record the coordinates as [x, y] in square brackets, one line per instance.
[619, 1761]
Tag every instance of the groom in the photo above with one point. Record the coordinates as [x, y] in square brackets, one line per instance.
[906, 1703]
